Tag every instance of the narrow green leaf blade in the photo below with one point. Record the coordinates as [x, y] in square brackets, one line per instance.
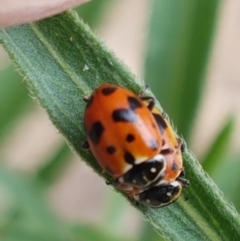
[218, 148]
[177, 53]
[63, 61]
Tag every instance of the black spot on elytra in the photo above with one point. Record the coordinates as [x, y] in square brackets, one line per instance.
[130, 138]
[96, 132]
[174, 166]
[111, 150]
[89, 102]
[134, 103]
[167, 151]
[163, 142]
[153, 145]
[129, 158]
[109, 90]
[160, 121]
[125, 115]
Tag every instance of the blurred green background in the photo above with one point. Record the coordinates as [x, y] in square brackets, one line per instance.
[47, 193]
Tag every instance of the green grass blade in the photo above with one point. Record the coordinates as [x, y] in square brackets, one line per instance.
[177, 53]
[219, 147]
[63, 61]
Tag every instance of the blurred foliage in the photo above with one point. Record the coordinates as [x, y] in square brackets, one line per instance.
[14, 100]
[93, 11]
[55, 165]
[174, 59]
[219, 147]
[177, 54]
[226, 175]
[25, 215]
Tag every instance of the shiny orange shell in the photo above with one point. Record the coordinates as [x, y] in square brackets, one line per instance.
[121, 131]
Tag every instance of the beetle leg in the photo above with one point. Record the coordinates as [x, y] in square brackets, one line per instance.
[150, 100]
[85, 145]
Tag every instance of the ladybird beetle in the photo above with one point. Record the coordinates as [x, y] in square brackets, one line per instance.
[122, 134]
[133, 143]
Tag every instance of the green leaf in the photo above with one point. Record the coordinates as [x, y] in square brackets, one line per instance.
[63, 62]
[219, 147]
[177, 54]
